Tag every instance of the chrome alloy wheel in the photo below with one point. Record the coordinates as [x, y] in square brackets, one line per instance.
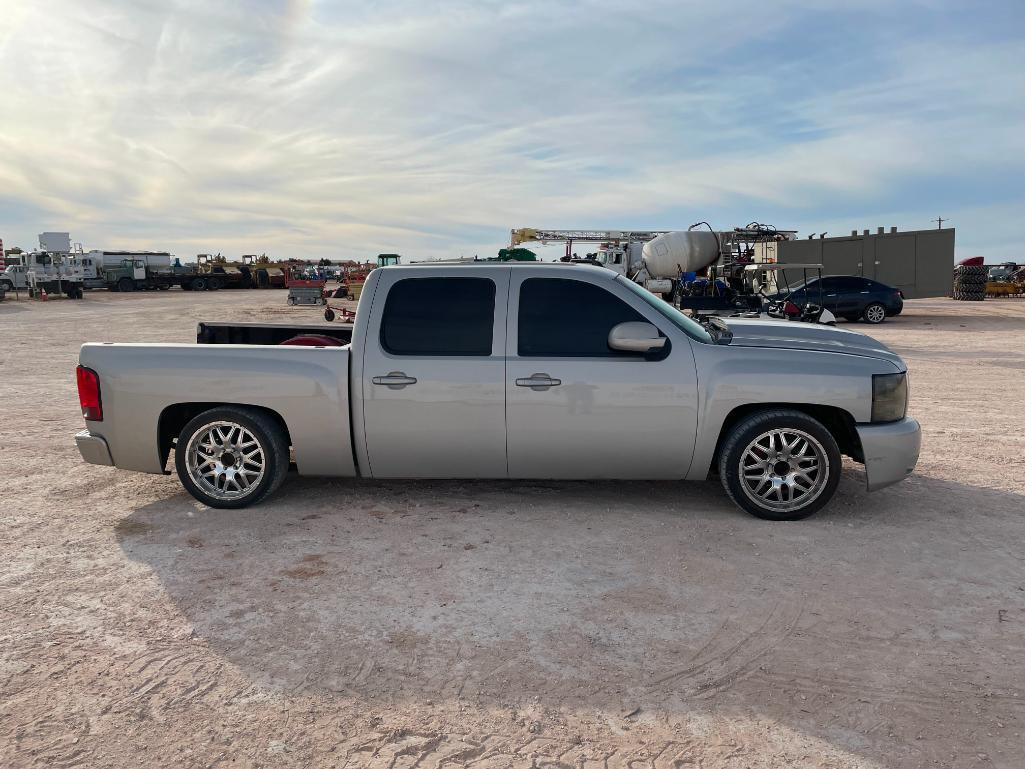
[875, 313]
[784, 469]
[225, 460]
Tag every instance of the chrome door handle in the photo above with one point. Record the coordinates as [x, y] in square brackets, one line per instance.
[395, 380]
[538, 382]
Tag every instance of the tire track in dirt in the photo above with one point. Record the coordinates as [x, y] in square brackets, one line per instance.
[722, 661]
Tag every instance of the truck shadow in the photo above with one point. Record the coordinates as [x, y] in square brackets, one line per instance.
[618, 596]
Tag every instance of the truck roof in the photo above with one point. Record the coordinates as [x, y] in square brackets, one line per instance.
[481, 263]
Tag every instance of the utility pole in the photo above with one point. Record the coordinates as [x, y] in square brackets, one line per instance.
[939, 222]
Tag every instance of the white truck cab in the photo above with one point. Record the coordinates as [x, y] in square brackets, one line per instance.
[41, 269]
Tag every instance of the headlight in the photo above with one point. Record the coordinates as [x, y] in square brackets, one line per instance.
[889, 397]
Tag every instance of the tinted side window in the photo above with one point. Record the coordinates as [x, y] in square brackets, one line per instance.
[563, 317]
[439, 316]
[851, 283]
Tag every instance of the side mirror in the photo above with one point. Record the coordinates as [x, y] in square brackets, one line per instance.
[635, 337]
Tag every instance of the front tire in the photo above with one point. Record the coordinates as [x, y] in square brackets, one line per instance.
[231, 457]
[875, 314]
[780, 465]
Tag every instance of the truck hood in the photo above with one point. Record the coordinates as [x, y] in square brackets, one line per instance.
[793, 335]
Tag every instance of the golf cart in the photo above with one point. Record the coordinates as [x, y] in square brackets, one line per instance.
[780, 305]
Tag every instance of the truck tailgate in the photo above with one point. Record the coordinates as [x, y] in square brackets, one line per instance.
[307, 386]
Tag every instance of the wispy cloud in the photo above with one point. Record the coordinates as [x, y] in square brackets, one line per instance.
[431, 128]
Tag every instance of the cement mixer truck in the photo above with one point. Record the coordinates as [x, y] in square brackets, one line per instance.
[673, 264]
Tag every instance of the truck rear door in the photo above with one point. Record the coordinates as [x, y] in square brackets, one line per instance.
[433, 374]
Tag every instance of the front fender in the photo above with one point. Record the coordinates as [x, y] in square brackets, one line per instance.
[733, 377]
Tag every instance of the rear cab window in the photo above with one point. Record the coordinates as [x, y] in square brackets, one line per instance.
[439, 316]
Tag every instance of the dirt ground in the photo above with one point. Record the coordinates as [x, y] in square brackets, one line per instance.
[501, 624]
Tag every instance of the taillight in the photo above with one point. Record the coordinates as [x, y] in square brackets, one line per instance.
[89, 394]
[900, 293]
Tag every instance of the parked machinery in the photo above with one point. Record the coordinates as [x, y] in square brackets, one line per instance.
[355, 274]
[214, 271]
[303, 289]
[699, 268]
[1006, 279]
[44, 273]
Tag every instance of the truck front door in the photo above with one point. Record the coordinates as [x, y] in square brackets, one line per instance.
[433, 374]
[578, 409]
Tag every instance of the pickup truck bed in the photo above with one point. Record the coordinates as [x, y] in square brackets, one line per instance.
[167, 384]
[268, 333]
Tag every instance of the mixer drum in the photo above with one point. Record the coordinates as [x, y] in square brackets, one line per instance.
[668, 255]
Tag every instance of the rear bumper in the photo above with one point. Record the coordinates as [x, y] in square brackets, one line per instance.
[890, 450]
[93, 448]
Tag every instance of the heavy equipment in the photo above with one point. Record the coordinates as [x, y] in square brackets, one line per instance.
[1005, 279]
[668, 262]
[44, 272]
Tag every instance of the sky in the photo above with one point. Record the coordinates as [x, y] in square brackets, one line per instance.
[430, 129]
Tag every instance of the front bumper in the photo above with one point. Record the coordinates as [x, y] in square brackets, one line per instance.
[890, 450]
[93, 448]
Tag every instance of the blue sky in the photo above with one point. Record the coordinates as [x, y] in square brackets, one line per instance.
[341, 129]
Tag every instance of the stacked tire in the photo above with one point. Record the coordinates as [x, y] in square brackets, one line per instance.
[969, 282]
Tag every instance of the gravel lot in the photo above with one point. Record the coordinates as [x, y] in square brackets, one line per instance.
[510, 623]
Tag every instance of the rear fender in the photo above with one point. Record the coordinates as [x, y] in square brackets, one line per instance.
[307, 387]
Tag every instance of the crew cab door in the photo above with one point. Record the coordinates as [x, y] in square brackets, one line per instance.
[578, 409]
[433, 380]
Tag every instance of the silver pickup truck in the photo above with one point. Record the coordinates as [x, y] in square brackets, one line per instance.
[554, 371]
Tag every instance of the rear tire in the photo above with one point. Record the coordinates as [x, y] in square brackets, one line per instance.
[231, 457]
[780, 465]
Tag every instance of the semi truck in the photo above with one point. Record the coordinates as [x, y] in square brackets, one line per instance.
[137, 275]
[96, 262]
[505, 370]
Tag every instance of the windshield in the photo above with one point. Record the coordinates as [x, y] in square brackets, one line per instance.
[691, 328]
[811, 287]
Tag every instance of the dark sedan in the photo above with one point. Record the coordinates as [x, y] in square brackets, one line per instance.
[850, 297]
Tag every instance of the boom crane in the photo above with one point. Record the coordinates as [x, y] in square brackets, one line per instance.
[528, 234]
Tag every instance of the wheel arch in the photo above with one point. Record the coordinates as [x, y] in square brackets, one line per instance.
[839, 422]
[174, 418]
